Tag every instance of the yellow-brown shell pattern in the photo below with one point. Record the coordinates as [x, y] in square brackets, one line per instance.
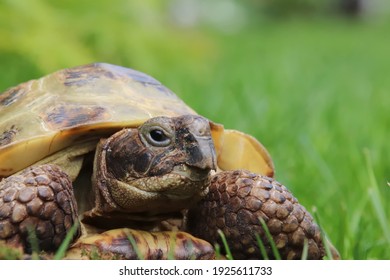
[42, 116]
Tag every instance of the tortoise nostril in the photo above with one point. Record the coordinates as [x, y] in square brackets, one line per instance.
[203, 131]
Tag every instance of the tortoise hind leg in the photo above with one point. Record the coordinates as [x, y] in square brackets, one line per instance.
[39, 199]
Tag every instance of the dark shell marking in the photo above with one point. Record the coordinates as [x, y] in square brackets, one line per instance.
[83, 75]
[62, 116]
[88, 74]
[120, 71]
[8, 135]
[80, 76]
[13, 94]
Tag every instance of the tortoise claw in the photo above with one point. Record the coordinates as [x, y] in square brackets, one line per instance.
[236, 204]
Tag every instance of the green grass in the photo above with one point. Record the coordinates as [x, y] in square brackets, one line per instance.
[61, 251]
[229, 255]
[316, 93]
[317, 96]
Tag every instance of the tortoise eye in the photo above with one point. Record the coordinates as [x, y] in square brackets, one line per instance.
[157, 137]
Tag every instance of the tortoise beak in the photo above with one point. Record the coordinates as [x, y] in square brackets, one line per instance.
[195, 137]
[200, 160]
[203, 154]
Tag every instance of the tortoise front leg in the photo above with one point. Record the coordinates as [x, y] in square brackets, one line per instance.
[40, 200]
[235, 205]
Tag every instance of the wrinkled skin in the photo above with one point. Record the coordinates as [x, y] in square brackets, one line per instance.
[143, 179]
[168, 169]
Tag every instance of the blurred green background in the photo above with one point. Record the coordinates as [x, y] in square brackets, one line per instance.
[308, 78]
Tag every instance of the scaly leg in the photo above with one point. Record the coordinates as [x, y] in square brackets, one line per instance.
[235, 205]
[40, 200]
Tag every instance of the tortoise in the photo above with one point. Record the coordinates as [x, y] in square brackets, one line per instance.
[111, 158]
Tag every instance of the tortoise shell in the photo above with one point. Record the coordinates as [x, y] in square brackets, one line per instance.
[43, 116]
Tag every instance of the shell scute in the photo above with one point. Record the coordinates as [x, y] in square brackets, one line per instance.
[13, 94]
[87, 74]
[84, 75]
[135, 75]
[8, 135]
[65, 116]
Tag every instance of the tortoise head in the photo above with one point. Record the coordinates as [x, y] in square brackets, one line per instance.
[160, 167]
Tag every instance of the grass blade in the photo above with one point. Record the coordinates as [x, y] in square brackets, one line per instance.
[375, 196]
[229, 255]
[133, 243]
[325, 242]
[274, 249]
[263, 251]
[172, 244]
[218, 255]
[305, 249]
[65, 244]
[33, 240]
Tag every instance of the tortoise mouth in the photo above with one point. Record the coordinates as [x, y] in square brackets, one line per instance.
[192, 173]
[183, 182]
[162, 194]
